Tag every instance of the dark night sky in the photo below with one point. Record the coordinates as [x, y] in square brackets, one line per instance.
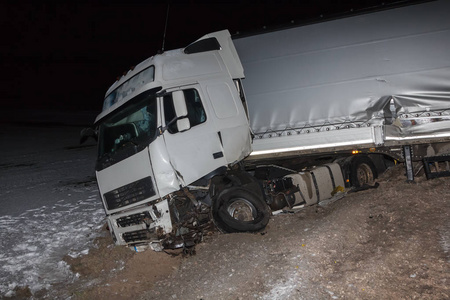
[64, 56]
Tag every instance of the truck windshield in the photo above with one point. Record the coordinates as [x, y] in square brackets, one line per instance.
[129, 129]
[130, 86]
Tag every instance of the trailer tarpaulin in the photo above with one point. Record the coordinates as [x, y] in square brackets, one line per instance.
[390, 67]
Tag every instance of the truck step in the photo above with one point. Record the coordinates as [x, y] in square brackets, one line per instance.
[437, 166]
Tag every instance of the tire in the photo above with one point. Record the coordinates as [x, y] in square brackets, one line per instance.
[362, 171]
[239, 210]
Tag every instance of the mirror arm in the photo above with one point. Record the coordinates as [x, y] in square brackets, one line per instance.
[162, 129]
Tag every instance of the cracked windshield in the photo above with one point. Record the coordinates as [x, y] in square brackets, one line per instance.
[134, 125]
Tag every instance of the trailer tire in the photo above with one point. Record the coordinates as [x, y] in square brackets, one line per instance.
[362, 171]
[239, 210]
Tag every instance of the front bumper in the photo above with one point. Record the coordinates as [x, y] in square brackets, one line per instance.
[141, 225]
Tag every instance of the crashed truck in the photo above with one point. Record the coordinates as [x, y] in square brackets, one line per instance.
[229, 129]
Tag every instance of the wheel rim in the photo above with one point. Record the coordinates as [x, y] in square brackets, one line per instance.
[242, 210]
[364, 174]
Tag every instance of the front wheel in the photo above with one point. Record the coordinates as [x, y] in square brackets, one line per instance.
[240, 210]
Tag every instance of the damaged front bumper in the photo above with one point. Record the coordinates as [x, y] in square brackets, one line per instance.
[141, 225]
[173, 223]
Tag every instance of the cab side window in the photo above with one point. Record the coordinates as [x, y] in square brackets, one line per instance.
[196, 112]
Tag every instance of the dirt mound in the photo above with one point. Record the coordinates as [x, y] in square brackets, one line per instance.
[113, 272]
[386, 243]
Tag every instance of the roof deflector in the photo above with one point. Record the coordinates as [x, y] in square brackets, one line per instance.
[204, 45]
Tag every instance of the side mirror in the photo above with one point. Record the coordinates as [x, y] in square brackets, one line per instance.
[87, 133]
[179, 102]
[181, 113]
[183, 124]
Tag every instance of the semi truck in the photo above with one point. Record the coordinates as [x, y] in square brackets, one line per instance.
[228, 129]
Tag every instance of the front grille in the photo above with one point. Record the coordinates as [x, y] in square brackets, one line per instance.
[130, 193]
[138, 235]
[134, 219]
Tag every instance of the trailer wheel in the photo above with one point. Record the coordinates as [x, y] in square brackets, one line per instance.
[239, 210]
[362, 171]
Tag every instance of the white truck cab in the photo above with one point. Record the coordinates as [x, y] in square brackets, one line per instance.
[176, 118]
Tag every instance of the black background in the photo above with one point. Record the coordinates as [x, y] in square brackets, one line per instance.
[64, 55]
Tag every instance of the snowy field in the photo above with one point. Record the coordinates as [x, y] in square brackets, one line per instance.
[49, 204]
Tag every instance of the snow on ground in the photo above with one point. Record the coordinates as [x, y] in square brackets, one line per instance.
[49, 204]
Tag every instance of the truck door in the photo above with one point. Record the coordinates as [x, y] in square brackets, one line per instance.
[194, 150]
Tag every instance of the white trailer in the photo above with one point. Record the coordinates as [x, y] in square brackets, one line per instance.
[372, 80]
[194, 136]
